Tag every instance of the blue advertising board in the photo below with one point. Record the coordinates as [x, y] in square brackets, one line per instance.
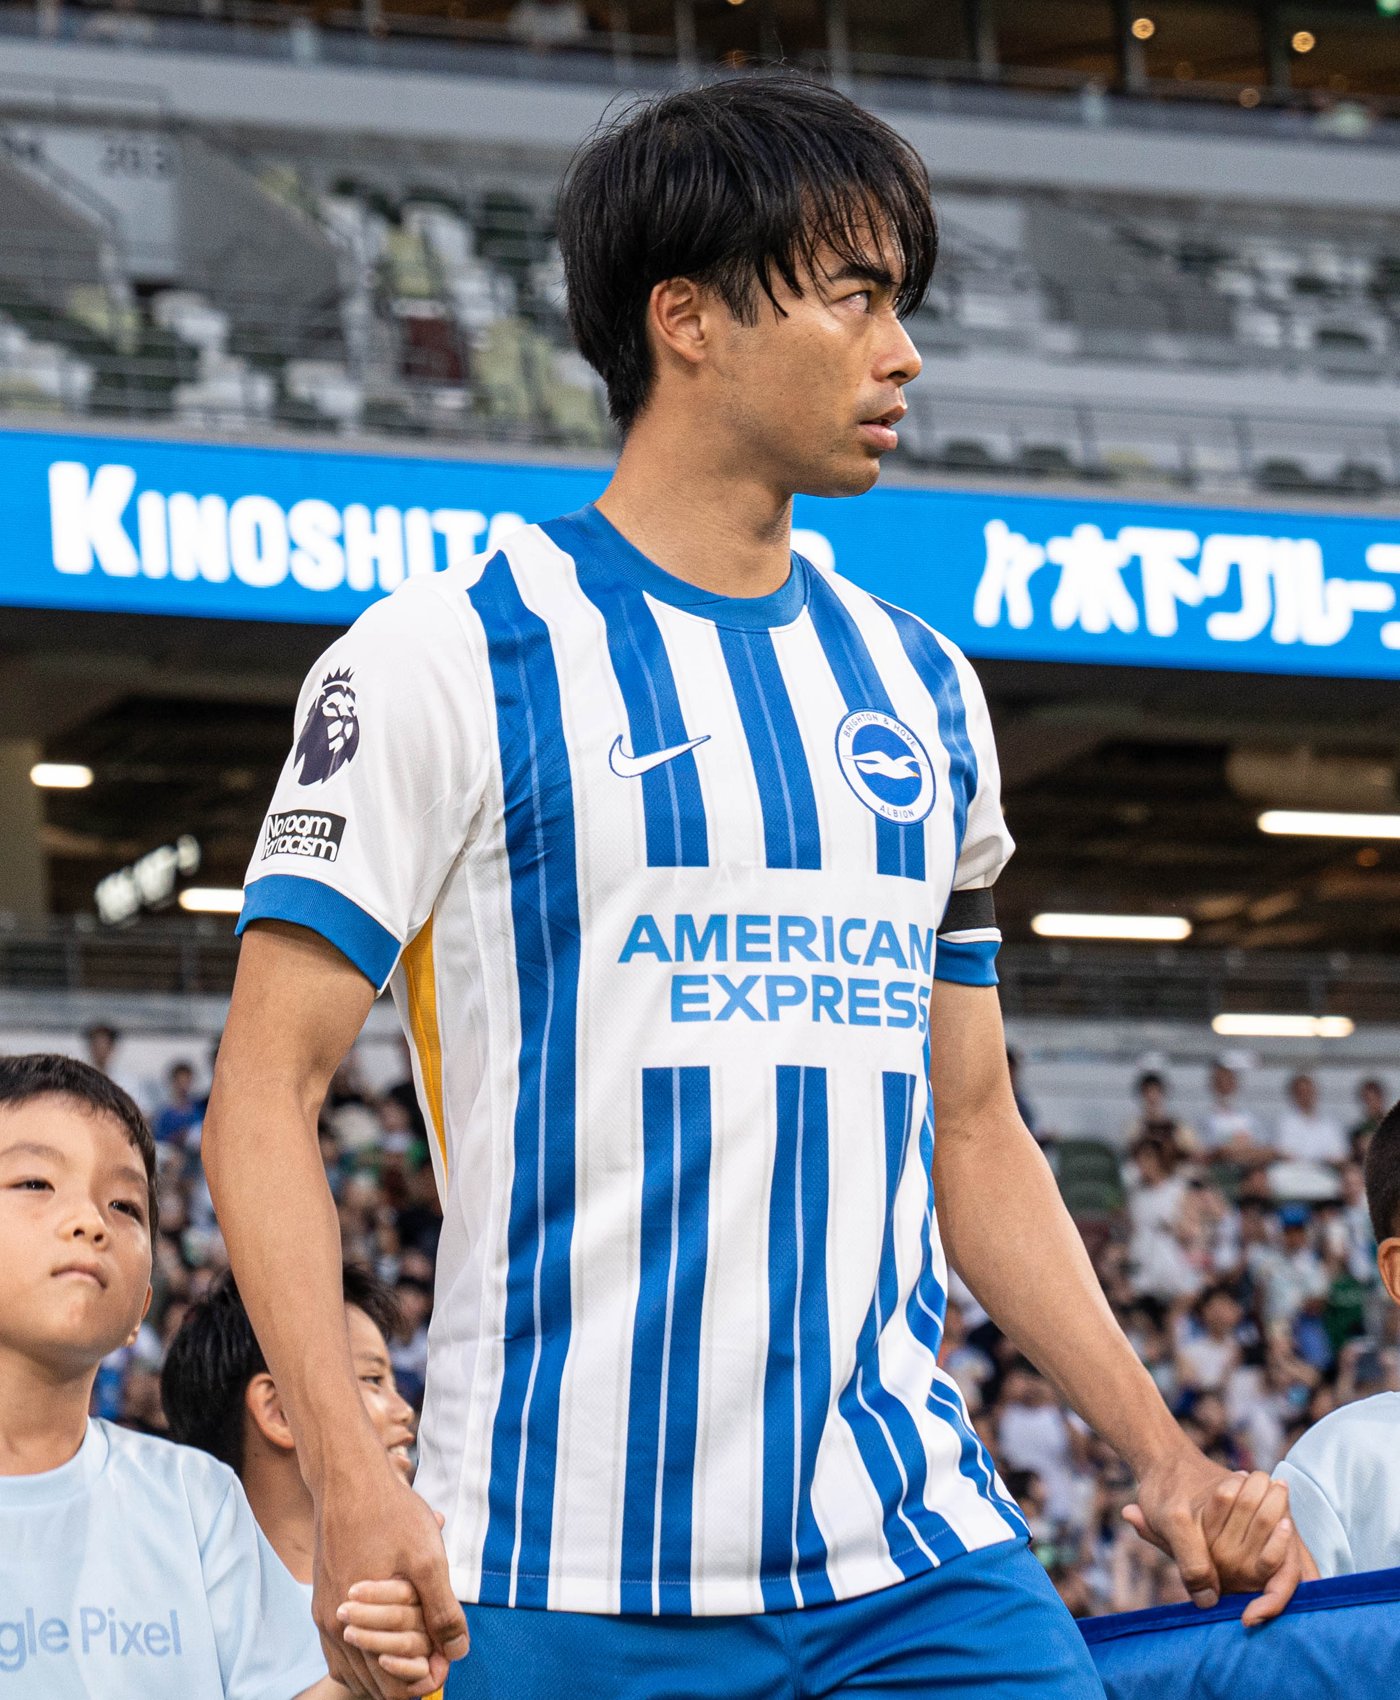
[160, 527]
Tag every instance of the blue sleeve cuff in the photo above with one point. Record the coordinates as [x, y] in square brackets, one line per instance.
[308, 903]
[967, 962]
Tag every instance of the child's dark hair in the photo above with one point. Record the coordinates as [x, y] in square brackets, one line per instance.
[1383, 1176]
[42, 1074]
[215, 1354]
[728, 185]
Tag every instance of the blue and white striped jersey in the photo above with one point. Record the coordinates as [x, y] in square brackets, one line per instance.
[661, 880]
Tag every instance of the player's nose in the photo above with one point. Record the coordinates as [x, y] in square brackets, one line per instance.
[899, 361]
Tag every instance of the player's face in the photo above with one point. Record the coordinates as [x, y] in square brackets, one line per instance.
[390, 1413]
[813, 394]
[75, 1241]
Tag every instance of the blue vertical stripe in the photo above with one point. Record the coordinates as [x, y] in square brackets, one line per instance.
[928, 1303]
[676, 829]
[885, 1431]
[899, 846]
[664, 1398]
[539, 830]
[791, 834]
[797, 1380]
[939, 674]
[974, 1461]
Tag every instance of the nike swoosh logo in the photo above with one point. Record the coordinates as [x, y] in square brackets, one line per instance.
[632, 767]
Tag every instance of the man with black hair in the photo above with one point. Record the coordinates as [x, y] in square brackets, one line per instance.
[1343, 1476]
[678, 853]
[103, 1042]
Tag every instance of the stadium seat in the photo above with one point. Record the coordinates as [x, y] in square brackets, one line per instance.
[1090, 1179]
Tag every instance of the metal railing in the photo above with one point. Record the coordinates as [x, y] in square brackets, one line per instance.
[79, 955]
[1194, 986]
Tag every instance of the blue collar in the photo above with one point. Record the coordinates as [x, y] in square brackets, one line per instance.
[607, 546]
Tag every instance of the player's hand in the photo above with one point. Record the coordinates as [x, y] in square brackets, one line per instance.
[369, 1523]
[385, 1621]
[1186, 1504]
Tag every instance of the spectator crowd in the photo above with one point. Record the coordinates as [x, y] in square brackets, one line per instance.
[1237, 1255]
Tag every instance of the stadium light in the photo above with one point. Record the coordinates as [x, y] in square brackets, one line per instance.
[1144, 29]
[60, 776]
[1323, 823]
[1283, 1026]
[1150, 929]
[1304, 41]
[212, 899]
[1388, 8]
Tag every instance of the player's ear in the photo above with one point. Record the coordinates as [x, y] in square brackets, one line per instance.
[678, 310]
[1388, 1260]
[263, 1404]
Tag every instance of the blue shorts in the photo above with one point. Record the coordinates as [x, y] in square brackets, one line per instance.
[985, 1626]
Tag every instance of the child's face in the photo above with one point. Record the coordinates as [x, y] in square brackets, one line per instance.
[75, 1242]
[390, 1413]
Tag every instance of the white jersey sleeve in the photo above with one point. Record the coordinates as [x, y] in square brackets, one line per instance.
[376, 797]
[968, 937]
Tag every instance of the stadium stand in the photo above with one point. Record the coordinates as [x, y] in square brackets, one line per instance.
[261, 280]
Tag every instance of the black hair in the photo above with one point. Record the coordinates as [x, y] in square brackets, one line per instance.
[728, 185]
[43, 1074]
[1151, 1078]
[105, 1029]
[1383, 1176]
[215, 1354]
[1216, 1290]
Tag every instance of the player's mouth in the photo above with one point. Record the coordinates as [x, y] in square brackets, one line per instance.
[79, 1270]
[879, 430]
[402, 1456]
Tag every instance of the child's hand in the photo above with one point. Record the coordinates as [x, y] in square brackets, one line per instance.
[385, 1621]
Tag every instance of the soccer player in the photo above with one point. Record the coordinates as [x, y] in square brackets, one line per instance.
[678, 855]
[129, 1566]
[1343, 1476]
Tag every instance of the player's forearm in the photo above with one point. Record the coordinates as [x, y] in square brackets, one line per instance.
[1008, 1234]
[278, 1218]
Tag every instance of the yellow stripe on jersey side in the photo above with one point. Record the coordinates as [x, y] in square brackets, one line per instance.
[421, 978]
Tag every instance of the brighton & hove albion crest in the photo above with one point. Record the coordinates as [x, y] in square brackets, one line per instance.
[331, 734]
[886, 766]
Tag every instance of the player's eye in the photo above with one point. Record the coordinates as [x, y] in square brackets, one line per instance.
[34, 1183]
[129, 1208]
[373, 1380]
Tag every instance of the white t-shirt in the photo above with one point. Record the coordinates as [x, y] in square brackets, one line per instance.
[1311, 1138]
[1223, 1123]
[1343, 1481]
[661, 881]
[136, 1572]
